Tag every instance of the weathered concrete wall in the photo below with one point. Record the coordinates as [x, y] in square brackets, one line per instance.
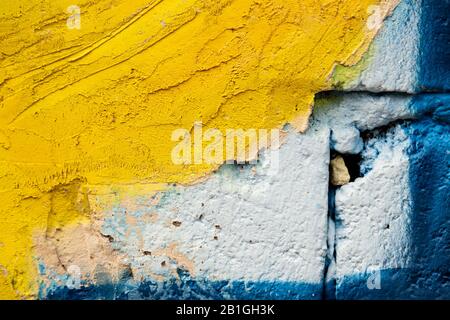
[353, 204]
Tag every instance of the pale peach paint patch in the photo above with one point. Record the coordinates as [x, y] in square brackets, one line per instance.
[81, 246]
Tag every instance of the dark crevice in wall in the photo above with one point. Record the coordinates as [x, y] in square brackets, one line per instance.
[329, 281]
[353, 161]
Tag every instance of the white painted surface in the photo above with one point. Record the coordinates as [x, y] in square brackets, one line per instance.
[372, 213]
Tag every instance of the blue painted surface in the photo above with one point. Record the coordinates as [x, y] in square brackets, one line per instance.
[186, 288]
[429, 160]
[434, 106]
[429, 178]
[435, 46]
[395, 284]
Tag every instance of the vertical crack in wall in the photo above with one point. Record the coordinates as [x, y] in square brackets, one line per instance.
[329, 279]
[346, 168]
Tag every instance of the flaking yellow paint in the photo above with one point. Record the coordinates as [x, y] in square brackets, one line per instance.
[97, 105]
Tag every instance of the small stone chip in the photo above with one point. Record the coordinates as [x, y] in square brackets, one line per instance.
[339, 174]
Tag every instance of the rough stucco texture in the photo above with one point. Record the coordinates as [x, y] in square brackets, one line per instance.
[94, 207]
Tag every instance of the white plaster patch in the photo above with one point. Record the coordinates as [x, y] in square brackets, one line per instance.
[372, 213]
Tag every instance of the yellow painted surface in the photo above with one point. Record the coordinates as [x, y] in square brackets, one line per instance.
[97, 105]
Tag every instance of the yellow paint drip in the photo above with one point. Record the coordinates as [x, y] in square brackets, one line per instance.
[97, 105]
